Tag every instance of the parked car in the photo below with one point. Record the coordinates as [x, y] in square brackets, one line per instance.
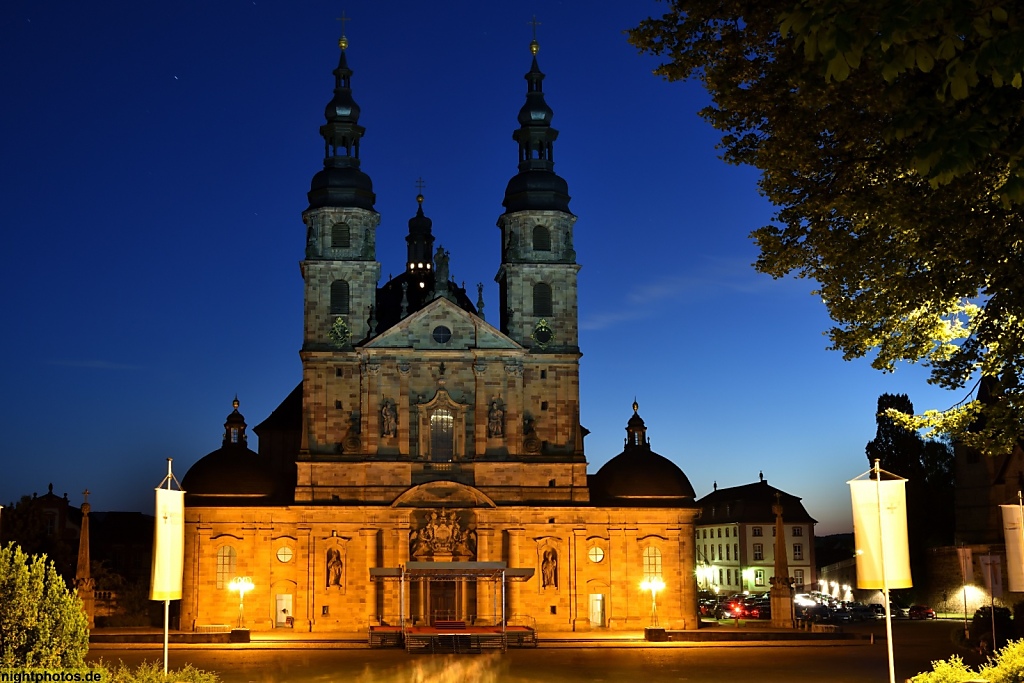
[921, 612]
[814, 613]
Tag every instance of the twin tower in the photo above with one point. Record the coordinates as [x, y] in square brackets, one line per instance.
[411, 371]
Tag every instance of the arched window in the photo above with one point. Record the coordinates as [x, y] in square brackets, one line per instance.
[652, 562]
[339, 297]
[442, 435]
[541, 238]
[341, 235]
[542, 300]
[226, 558]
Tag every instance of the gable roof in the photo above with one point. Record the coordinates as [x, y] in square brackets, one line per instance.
[468, 331]
[750, 503]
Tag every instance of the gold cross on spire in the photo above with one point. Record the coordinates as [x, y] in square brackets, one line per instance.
[343, 41]
[85, 493]
[534, 45]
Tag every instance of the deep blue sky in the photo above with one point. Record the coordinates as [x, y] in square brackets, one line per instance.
[155, 161]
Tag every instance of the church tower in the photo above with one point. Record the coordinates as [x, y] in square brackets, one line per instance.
[340, 273]
[340, 269]
[537, 277]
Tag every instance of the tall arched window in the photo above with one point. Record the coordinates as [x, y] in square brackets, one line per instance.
[339, 297]
[442, 435]
[541, 238]
[652, 562]
[542, 300]
[226, 558]
[341, 235]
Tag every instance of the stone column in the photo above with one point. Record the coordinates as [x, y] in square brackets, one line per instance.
[370, 543]
[304, 606]
[400, 601]
[514, 588]
[687, 578]
[371, 437]
[404, 414]
[514, 408]
[481, 408]
[578, 558]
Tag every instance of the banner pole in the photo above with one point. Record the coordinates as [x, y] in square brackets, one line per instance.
[167, 602]
[885, 575]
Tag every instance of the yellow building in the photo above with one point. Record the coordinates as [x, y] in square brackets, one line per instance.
[422, 433]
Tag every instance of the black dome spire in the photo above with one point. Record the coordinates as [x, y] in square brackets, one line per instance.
[536, 186]
[341, 183]
[420, 241]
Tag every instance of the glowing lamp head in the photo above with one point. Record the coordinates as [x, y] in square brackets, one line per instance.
[653, 584]
[241, 584]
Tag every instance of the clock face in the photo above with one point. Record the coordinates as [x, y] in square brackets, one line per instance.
[284, 554]
[542, 333]
[596, 554]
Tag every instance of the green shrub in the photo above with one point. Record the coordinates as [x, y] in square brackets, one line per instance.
[1006, 666]
[153, 672]
[42, 623]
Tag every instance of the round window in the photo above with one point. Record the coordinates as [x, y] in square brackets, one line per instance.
[284, 554]
[596, 554]
[442, 335]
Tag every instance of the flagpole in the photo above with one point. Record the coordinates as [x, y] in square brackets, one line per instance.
[885, 576]
[167, 602]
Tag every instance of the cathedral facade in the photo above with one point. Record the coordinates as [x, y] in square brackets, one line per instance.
[423, 433]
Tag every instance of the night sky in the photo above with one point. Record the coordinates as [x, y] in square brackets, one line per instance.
[155, 164]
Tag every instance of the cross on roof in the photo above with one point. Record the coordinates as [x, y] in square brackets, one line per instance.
[420, 184]
[343, 19]
[535, 24]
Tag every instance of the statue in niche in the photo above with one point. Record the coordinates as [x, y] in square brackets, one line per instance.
[495, 421]
[333, 567]
[441, 271]
[311, 245]
[389, 419]
[549, 569]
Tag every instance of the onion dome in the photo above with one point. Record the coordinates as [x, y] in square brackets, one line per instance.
[536, 186]
[640, 477]
[420, 247]
[232, 473]
[341, 183]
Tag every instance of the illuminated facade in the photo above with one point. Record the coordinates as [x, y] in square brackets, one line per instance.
[735, 539]
[421, 432]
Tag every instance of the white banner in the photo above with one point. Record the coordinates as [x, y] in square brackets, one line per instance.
[1012, 536]
[992, 570]
[966, 564]
[168, 545]
[880, 533]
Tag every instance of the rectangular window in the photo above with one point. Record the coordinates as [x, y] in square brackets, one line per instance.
[798, 578]
[728, 577]
[798, 531]
[758, 552]
[759, 577]
[720, 575]
[798, 551]
[756, 531]
[728, 552]
[736, 551]
[719, 532]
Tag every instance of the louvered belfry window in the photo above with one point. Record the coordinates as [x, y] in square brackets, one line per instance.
[541, 238]
[339, 297]
[341, 235]
[541, 300]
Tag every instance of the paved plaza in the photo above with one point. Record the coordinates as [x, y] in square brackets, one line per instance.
[561, 661]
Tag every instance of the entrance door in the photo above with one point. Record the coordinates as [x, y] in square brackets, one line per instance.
[597, 610]
[442, 601]
[283, 614]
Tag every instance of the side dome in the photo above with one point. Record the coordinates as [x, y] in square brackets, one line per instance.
[640, 477]
[231, 474]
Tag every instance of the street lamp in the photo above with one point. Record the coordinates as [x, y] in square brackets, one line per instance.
[653, 584]
[242, 584]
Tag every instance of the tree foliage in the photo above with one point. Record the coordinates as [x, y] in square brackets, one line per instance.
[928, 467]
[889, 136]
[42, 623]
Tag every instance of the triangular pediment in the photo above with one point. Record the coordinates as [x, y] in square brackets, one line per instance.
[442, 325]
[446, 494]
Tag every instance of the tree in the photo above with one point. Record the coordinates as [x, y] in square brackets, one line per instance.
[42, 623]
[889, 135]
[928, 467]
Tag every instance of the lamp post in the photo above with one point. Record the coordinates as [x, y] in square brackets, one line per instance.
[653, 584]
[242, 584]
